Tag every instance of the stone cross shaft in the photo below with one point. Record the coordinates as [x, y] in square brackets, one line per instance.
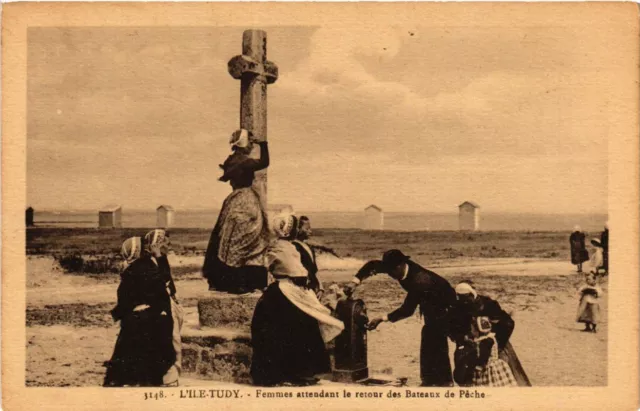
[255, 73]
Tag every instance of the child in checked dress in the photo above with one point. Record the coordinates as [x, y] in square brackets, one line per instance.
[589, 308]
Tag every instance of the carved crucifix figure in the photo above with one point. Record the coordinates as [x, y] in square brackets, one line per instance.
[255, 73]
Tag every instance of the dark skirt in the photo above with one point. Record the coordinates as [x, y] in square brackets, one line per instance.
[144, 350]
[287, 344]
[579, 256]
[236, 280]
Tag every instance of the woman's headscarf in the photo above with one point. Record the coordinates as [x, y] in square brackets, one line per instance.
[285, 226]
[466, 288]
[131, 249]
[154, 237]
[240, 138]
[577, 228]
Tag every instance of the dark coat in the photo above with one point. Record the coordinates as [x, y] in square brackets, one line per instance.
[503, 325]
[604, 240]
[463, 316]
[426, 289]
[309, 262]
[144, 349]
[435, 297]
[579, 253]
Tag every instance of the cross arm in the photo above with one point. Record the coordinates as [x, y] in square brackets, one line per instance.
[239, 65]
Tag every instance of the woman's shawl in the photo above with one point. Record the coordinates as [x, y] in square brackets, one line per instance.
[241, 229]
[284, 261]
[306, 300]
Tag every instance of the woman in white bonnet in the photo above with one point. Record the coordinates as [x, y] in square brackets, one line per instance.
[290, 326]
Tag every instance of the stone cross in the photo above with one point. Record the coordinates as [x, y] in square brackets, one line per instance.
[254, 72]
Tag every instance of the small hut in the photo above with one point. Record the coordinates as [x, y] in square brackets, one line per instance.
[29, 217]
[469, 216]
[165, 215]
[373, 218]
[110, 217]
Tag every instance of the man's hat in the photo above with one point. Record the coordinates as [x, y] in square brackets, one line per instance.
[392, 258]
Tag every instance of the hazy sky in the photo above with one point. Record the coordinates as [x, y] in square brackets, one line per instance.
[415, 119]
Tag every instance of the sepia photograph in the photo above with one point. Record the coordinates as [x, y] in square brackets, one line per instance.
[321, 208]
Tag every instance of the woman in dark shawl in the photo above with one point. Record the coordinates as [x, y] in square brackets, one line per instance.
[579, 253]
[234, 261]
[474, 351]
[144, 350]
[290, 326]
[308, 255]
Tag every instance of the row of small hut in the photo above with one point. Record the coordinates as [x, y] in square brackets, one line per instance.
[111, 216]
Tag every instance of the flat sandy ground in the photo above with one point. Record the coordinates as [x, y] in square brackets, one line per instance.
[70, 333]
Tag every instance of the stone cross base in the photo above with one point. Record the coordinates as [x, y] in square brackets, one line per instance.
[227, 310]
[217, 354]
[216, 338]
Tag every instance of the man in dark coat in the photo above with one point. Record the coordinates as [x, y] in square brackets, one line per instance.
[435, 297]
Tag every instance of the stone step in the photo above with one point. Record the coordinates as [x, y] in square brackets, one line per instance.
[220, 309]
[215, 353]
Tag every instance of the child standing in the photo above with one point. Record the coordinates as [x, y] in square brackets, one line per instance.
[589, 308]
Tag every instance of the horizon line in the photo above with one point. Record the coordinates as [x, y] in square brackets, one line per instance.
[483, 211]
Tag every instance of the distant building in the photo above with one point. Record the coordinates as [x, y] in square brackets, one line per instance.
[110, 217]
[373, 218]
[165, 216]
[29, 217]
[469, 216]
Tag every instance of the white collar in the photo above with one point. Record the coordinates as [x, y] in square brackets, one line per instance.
[406, 272]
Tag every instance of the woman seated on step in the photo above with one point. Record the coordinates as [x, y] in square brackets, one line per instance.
[290, 326]
[148, 346]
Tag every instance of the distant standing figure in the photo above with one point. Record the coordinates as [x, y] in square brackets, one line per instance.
[579, 253]
[604, 241]
[234, 261]
[308, 255]
[589, 308]
[597, 260]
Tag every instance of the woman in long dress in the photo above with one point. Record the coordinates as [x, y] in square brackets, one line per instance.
[290, 327]
[481, 330]
[596, 262]
[589, 308]
[579, 253]
[234, 261]
[144, 351]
